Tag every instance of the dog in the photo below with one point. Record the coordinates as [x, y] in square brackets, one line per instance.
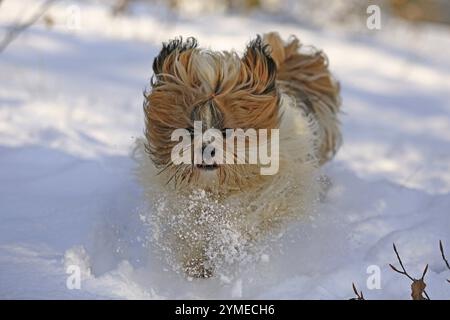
[207, 213]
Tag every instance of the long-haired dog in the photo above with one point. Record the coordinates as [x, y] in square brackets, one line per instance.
[208, 215]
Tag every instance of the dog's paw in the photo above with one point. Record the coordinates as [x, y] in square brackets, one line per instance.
[197, 268]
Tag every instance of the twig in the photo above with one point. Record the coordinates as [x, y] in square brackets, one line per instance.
[16, 30]
[359, 295]
[441, 247]
[418, 285]
[401, 264]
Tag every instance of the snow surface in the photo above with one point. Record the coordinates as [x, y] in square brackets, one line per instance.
[71, 107]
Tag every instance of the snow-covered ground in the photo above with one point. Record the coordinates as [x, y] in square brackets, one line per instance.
[71, 107]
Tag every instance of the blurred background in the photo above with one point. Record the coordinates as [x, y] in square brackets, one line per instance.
[307, 11]
[348, 13]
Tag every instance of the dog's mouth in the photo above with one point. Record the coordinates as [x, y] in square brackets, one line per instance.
[207, 167]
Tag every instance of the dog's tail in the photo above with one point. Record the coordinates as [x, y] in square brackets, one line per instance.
[305, 76]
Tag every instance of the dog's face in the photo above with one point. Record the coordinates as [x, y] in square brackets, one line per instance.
[220, 89]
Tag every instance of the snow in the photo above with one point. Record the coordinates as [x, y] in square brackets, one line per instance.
[71, 108]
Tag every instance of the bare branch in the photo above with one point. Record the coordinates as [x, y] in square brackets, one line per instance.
[418, 285]
[359, 295]
[443, 255]
[441, 247]
[401, 264]
[16, 30]
[424, 272]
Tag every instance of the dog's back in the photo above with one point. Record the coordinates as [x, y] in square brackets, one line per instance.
[305, 77]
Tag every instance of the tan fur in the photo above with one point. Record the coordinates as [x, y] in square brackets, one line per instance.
[306, 77]
[273, 85]
[195, 78]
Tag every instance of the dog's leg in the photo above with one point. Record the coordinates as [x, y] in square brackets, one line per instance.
[192, 244]
[198, 267]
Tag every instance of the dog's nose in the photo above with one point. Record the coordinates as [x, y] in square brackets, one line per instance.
[212, 152]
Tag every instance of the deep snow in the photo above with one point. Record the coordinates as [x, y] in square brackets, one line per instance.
[71, 107]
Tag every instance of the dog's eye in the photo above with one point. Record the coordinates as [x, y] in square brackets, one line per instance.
[191, 131]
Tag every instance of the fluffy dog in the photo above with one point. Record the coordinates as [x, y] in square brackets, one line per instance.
[206, 215]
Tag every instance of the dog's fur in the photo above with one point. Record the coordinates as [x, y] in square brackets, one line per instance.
[275, 84]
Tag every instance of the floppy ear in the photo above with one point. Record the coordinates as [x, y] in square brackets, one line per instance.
[260, 67]
[163, 62]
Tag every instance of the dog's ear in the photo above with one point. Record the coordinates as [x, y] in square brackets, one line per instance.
[166, 57]
[261, 68]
